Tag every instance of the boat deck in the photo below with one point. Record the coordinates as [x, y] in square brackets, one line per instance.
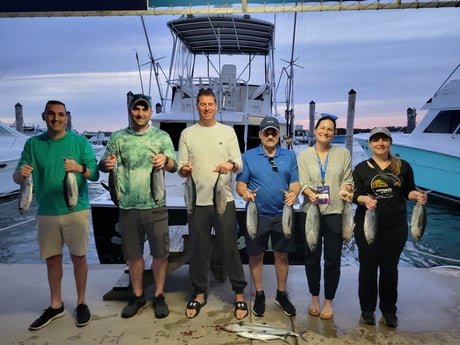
[429, 310]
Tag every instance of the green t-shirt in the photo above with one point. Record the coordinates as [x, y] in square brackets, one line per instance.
[134, 164]
[47, 158]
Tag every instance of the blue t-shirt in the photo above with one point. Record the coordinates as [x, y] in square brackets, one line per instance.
[259, 173]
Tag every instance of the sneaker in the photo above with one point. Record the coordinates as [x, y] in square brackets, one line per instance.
[134, 304]
[83, 315]
[258, 309]
[160, 307]
[390, 320]
[49, 315]
[368, 318]
[283, 301]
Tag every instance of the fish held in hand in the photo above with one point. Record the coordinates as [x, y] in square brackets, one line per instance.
[25, 194]
[220, 194]
[287, 220]
[190, 194]
[418, 222]
[312, 224]
[157, 185]
[70, 189]
[370, 226]
[114, 188]
[252, 219]
[348, 223]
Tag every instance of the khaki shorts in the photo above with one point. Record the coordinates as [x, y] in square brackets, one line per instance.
[71, 229]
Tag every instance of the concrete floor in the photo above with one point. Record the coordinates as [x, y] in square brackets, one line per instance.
[429, 310]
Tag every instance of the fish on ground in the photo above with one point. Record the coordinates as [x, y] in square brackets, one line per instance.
[348, 223]
[157, 184]
[418, 222]
[261, 336]
[114, 188]
[70, 189]
[312, 225]
[252, 219]
[25, 194]
[370, 226]
[220, 197]
[259, 328]
[190, 194]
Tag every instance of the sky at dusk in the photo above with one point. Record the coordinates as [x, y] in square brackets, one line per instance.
[393, 59]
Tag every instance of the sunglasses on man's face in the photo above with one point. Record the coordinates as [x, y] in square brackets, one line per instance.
[272, 132]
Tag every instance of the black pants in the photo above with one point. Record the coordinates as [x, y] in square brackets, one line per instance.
[203, 219]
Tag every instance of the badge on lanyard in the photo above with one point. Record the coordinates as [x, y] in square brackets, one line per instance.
[324, 195]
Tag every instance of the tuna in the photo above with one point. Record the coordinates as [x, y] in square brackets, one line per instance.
[190, 194]
[220, 194]
[157, 185]
[70, 189]
[312, 224]
[418, 222]
[25, 194]
[114, 189]
[370, 226]
[287, 220]
[348, 223]
[252, 219]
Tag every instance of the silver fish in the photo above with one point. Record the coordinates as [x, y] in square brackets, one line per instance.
[25, 194]
[220, 197]
[114, 188]
[252, 219]
[157, 185]
[190, 194]
[258, 328]
[370, 226]
[312, 224]
[287, 220]
[70, 189]
[418, 222]
[261, 336]
[348, 223]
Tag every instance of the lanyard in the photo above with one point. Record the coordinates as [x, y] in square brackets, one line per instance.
[322, 167]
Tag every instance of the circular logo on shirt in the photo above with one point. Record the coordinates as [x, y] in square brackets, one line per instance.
[385, 185]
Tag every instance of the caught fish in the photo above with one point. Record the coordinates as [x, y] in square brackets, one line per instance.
[312, 224]
[157, 185]
[287, 220]
[25, 194]
[220, 197]
[190, 194]
[418, 222]
[348, 223]
[70, 189]
[258, 328]
[261, 336]
[114, 188]
[252, 219]
[370, 226]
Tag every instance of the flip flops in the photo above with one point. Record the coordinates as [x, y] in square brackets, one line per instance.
[241, 305]
[194, 305]
[314, 310]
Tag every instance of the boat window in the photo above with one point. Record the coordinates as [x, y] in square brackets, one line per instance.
[174, 130]
[445, 122]
[253, 136]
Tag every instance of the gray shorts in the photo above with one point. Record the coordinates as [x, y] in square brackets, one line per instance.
[71, 229]
[270, 228]
[138, 225]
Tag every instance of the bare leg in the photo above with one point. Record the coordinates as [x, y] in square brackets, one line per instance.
[282, 269]
[256, 267]
[80, 272]
[136, 271]
[159, 267]
[54, 269]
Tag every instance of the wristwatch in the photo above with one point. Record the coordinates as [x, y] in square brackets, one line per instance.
[83, 168]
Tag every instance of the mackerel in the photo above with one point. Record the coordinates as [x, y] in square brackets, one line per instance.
[312, 224]
[370, 226]
[348, 223]
[261, 336]
[190, 194]
[70, 189]
[418, 222]
[252, 219]
[25, 194]
[220, 197]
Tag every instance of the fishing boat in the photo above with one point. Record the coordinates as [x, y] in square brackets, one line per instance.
[233, 56]
[433, 147]
[11, 145]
